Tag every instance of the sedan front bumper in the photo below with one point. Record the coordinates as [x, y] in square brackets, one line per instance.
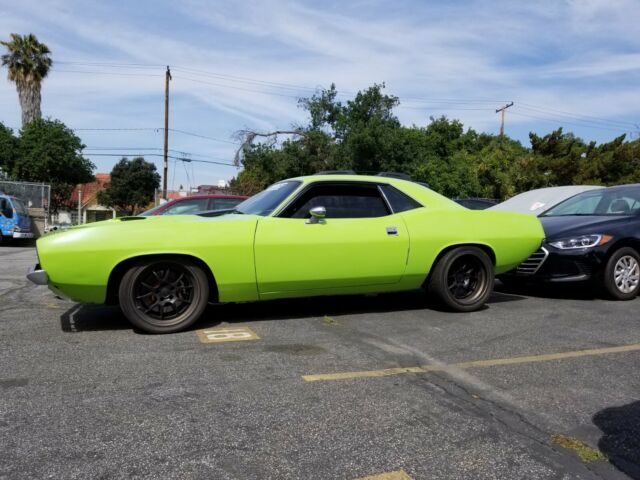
[550, 264]
[37, 275]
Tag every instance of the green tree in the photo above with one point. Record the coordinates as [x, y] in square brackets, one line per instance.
[29, 62]
[8, 150]
[132, 186]
[363, 134]
[50, 152]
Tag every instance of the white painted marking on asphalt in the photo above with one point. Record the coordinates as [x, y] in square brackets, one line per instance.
[226, 334]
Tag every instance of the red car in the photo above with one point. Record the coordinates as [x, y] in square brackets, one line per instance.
[195, 204]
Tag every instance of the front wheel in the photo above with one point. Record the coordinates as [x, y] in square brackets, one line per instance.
[163, 296]
[622, 274]
[463, 279]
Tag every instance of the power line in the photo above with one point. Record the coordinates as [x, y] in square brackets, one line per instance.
[113, 64]
[202, 136]
[139, 149]
[236, 88]
[111, 73]
[563, 122]
[154, 129]
[294, 87]
[182, 159]
[579, 117]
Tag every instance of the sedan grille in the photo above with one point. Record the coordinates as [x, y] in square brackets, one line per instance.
[532, 264]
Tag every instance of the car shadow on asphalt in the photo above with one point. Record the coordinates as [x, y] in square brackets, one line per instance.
[90, 318]
[566, 291]
[85, 318]
[18, 243]
[620, 441]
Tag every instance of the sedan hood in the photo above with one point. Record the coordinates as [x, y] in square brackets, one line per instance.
[569, 225]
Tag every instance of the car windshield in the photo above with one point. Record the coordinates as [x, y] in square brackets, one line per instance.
[267, 200]
[610, 201]
[19, 206]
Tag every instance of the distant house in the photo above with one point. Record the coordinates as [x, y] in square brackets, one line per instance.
[90, 209]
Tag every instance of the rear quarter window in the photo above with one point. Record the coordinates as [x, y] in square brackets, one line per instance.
[399, 201]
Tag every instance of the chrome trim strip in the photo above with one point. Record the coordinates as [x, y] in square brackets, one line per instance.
[528, 267]
[386, 200]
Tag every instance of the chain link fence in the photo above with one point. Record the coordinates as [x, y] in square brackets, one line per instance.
[35, 196]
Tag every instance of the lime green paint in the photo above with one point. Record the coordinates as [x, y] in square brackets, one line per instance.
[254, 257]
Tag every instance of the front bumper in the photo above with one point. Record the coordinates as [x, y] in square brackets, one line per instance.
[23, 235]
[550, 264]
[37, 275]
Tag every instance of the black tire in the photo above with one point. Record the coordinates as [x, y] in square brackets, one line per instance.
[462, 280]
[163, 295]
[619, 284]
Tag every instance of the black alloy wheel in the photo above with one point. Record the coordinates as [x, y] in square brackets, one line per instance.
[463, 279]
[163, 296]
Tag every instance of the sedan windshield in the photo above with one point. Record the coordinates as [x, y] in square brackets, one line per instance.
[610, 201]
[267, 200]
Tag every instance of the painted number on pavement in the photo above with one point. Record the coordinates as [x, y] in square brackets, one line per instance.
[226, 334]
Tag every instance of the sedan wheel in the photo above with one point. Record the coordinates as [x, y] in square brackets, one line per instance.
[622, 274]
[163, 296]
[463, 279]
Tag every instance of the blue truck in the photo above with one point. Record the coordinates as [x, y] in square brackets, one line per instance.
[14, 218]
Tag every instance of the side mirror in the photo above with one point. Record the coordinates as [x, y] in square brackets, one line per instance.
[317, 214]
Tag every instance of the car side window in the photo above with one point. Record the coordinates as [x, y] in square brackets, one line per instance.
[224, 203]
[6, 208]
[399, 201]
[340, 201]
[187, 207]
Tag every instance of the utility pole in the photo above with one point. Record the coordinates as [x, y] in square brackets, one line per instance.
[167, 78]
[79, 204]
[501, 110]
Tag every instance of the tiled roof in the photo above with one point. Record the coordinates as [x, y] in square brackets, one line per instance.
[90, 190]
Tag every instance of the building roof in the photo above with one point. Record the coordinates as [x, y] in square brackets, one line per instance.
[90, 190]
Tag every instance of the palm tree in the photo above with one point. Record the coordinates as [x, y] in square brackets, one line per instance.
[29, 62]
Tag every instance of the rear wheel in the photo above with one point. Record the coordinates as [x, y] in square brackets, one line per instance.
[622, 274]
[163, 296]
[463, 279]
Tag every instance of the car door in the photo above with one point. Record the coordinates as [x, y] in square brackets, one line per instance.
[358, 243]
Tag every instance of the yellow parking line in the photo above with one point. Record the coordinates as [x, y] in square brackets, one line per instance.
[396, 475]
[473, 364]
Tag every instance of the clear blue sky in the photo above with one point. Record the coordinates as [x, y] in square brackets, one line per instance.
[239, 64]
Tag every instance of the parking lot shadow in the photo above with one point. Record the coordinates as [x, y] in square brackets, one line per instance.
[330, 306]
[86, 318]
[18, 243]
[620, 440]
[568, 291]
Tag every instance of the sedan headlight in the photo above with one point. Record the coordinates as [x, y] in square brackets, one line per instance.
[582, 241]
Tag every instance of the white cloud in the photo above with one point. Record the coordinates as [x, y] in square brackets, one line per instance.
[575, 56]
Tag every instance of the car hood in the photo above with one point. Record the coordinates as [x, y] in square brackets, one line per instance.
[173, 223]
[569, 225]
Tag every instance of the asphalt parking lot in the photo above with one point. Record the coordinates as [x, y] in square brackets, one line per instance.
[541, 384]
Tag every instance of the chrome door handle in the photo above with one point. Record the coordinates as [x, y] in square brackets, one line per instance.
[392, 231]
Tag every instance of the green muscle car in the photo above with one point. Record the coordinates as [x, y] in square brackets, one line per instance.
[306, 236]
